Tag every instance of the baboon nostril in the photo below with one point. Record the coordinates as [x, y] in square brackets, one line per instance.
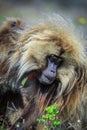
[52, 71]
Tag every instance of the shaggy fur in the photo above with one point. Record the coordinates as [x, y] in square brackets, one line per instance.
[54, 37]
[10, 32]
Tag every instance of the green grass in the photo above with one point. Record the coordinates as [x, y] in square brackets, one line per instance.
[51, 118]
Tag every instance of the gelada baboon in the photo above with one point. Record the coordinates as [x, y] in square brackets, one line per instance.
[10, 32]
[52, 53]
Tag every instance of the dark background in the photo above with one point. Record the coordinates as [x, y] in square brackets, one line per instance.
[32, 10]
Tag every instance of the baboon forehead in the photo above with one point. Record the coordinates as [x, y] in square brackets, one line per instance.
[41, 48]
[48, 39]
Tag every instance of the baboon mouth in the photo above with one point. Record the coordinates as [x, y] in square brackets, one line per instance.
[45, 80]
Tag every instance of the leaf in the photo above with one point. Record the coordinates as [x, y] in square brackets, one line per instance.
[24, 81]
[56, 123]
[82, 20]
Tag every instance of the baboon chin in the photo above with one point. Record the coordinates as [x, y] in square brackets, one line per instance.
[52, 56]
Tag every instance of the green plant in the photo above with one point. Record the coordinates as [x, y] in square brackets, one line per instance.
[24, 81]
[82, 20]
[2, 127]
[51, 118]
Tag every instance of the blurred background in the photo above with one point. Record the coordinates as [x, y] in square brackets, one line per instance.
[32, 10]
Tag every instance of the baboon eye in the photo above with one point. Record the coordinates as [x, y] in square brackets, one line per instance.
[13, 24]
[54, 58]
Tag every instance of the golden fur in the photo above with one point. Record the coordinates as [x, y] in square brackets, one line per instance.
[55, 38]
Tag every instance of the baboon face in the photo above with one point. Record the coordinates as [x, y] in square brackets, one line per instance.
[10, 32]
[13, 24]
[51, 53]
[16, 24]
[54, 68]
[49, 74]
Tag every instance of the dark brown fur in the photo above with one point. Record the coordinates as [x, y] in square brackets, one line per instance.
[10, 32]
